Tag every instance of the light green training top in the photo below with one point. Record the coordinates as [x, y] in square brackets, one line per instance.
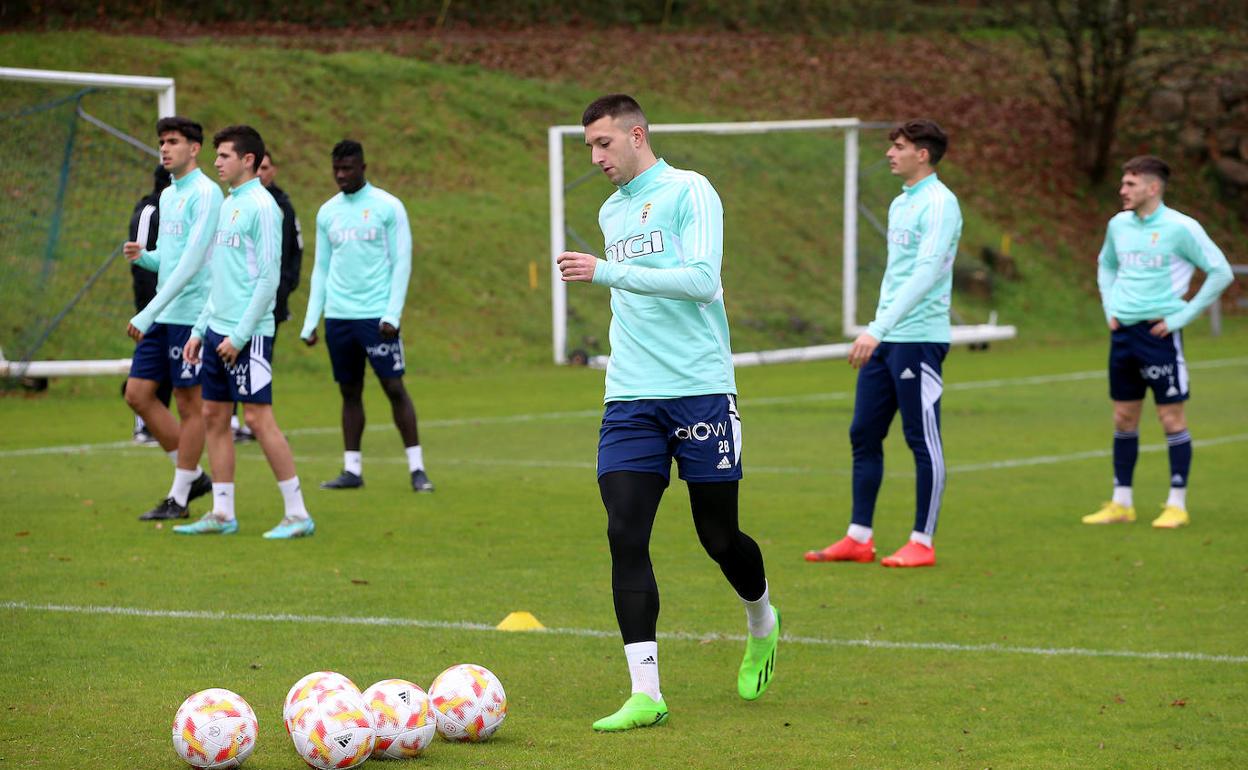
[246, 265]
[664, 236]
[1146, 264]
[188, 218]
[924, 225]
[363, 258]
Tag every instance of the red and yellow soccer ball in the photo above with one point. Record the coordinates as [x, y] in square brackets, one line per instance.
[310, 686]
[333, 730]
[214, 729]
[468, 703]
[402, 717]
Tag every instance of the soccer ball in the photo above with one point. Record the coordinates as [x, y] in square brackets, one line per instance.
[332, 729]
[468, 702]
[214, 728]
[402, 717]
[312, 685]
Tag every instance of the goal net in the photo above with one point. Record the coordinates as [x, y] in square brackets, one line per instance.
[72, 167]
[805, 247]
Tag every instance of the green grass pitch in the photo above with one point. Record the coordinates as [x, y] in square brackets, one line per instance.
[1031, 644]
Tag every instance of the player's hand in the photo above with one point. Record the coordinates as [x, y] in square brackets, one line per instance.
[132, 250]
[134, 332]
[1159, 329]
[1114, 325]
[227, 351]
[311, 339]
[575, 266]
[860, 352]
[190, 351]
[388, 332]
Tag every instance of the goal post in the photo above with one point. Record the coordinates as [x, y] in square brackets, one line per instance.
[829, 180]
[65, 214]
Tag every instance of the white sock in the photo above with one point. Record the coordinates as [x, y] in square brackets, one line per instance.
[233, 422]
[223, 500]
[293, 496]
[353, 462]
[173, 457]
[1178, 497]
[643, 667]
[921, 539]
[182, 481]
[1122, 496]
[859, 533]
[138, 424]
[759, 616]
[415, 459]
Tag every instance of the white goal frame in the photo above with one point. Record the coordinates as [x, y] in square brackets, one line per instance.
[850, 328]
[166, 105]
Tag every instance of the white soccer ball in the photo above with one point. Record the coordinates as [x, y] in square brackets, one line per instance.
[468, 703]
[332, 729]
[402, 717]
[215, 729]
[311, 686]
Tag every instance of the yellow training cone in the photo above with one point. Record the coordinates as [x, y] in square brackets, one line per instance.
[521, 621]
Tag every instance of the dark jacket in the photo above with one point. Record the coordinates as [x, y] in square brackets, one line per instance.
[144, 225]
[292, 253]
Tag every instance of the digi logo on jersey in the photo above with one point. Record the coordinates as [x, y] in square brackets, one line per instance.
[172, 228]
[701, 431]
[1141, 259]
[341, 236]
[900, 237]
[636, 246]
[227, 238]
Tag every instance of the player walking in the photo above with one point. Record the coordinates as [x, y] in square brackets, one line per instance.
[900, 354]
[671, 393]
[1144, 269]
[188, 216]
[235, 333]
[363, 261]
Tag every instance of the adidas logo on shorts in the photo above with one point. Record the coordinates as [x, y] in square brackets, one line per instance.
[907, 374]
[724, 463]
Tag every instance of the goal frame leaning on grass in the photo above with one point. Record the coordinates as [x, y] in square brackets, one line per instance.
[850, 327]
[166, 105]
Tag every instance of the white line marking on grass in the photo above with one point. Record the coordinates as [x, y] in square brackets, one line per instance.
[587, 413]
[350, 620]
[1023, 462]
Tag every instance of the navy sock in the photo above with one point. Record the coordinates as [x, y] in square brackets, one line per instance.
[1180, 457]
[1126, 451]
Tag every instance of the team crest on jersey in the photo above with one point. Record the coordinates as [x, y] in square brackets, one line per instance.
[181, 203]
[645, 213]
[1155, 237]
[365, 215]
[234, 216]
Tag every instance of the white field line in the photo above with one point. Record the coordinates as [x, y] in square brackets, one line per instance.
[587, 413]
[814, 641]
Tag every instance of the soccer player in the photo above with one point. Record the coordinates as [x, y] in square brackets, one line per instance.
[359, 280]
[1143, 271]
[671, 393]
[144, 225]
[234, 337]
[188, 215]
[900, 354]
[292, 240]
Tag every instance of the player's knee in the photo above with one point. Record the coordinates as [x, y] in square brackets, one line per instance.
[352, 392]
[1172, 422]
[861, 435]
[137, 396]
[718, 544]
[393, 388]
[1126, 419]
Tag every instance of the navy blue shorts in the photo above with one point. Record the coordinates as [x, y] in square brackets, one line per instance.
[249, 381]
[158, 357]
[1139, 361]
[702, 433]
[350, 341]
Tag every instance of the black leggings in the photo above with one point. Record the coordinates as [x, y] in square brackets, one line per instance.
[632, 500]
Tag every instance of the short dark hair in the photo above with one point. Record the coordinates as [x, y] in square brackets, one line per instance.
[245, 140]
[1148, 164]
[184, 126]
[924, 134]
[269, 155]
[348, 148]
[161, 178]
[614, 106]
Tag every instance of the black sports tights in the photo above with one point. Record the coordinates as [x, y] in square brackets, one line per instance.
[632, 500]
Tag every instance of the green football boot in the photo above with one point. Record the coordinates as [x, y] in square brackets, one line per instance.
[759, 663]
[640, 710]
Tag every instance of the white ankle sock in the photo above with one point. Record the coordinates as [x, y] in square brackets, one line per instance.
[921, 539]
[182, 481]
[353, 462]
[643, 667]
[859, 533]
[223, 500]
[1122, 496]
[1178, 497]
[293, 495]
[759, 617]
[415, 458]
